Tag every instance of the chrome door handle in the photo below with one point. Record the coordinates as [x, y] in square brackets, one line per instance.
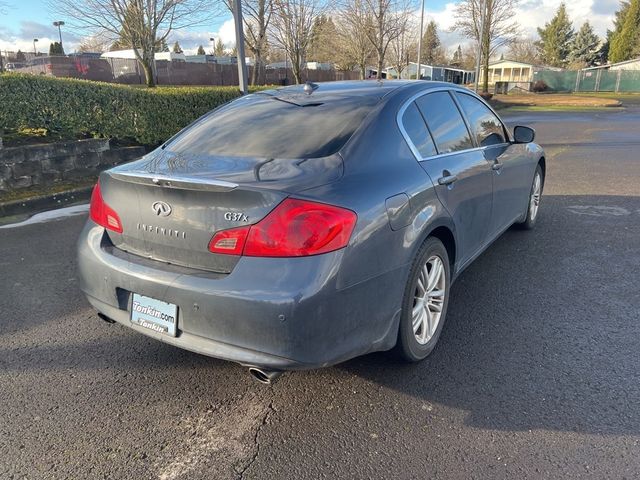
[496, 166]
[448, 180]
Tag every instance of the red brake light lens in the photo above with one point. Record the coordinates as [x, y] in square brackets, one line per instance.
[229, 242]
[295, 228]
[103, 214]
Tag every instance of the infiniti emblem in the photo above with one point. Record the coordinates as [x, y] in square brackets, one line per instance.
[162, 209]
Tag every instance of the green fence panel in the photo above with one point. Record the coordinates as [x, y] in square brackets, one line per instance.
[629, 81]
[557, 81]
[608, 81]
[588, 81]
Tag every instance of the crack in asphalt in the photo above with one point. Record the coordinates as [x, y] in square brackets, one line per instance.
[268, 411]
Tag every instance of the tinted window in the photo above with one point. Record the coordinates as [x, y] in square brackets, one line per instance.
[417, 130]
[263, 126]
[445, 122]
[485, 125]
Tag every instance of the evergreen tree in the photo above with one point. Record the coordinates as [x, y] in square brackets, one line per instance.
[55, 49]
[20, 57]
[456, 61]
[584, 48]
[177, 48]
[162, 46]
[218, 51]
[625, 39]
[430, 44]
[556, 38]
[322, 46]
[200, 50]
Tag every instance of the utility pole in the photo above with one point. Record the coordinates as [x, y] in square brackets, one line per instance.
[480, 41]
[59, 24]
[420, 40]
[242, 68]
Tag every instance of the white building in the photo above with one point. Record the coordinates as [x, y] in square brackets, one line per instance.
[130, 54]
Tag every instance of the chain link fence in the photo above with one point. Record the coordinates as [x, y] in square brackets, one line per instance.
[597, 80]
[129, 71]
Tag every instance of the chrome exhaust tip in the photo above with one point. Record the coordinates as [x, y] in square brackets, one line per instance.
[264, 376]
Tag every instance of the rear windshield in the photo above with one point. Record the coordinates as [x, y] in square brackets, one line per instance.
[267, 127]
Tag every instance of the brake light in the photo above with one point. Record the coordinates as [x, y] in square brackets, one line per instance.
[103, 214]
[295, 228]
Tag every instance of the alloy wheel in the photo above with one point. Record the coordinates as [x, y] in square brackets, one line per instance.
[428, 299]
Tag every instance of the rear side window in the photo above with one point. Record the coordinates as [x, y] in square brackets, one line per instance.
[264, 126]
[485, 125]
[445, 122]
[415, 127]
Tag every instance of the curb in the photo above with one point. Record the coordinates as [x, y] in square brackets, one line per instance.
[35, 205]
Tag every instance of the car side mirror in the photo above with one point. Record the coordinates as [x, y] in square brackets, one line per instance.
[524, 134]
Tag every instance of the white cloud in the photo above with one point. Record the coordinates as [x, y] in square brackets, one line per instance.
[189, 41]
[530, 14]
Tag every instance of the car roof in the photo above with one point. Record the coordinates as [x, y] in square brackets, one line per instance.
[352, 89]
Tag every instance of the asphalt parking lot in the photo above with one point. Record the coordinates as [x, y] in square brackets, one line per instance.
[537, 373]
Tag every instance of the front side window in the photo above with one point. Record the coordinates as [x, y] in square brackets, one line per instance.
[416, 129]
[485, 125]
[445, 122]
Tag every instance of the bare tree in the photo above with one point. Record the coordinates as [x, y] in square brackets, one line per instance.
[404, 47]
[500, 27]
[256, 16]
[293, 29]
[94, 43]
[524, 50]
[386, 22]
[141, 23]
[352, 19]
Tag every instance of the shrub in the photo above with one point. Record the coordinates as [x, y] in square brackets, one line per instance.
[73, 108]
[540, 86]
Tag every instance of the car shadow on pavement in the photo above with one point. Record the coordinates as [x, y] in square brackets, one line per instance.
[543, 330]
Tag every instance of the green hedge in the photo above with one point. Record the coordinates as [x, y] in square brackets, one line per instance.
[72, 108]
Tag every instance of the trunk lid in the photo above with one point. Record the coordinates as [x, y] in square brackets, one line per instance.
[170, 206]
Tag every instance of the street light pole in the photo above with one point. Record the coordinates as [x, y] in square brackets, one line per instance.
[35, 52]
[213, 46]
[59, 24]
[420, 40]
[242, 68]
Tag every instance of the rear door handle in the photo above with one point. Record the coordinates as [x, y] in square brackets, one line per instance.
[448, 180]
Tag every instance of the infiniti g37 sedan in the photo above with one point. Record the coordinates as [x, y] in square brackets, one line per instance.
[299, 227]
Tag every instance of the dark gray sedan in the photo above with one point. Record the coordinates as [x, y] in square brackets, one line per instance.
[300, 227]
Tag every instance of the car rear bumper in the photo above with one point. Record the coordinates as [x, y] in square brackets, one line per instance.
[283, 314]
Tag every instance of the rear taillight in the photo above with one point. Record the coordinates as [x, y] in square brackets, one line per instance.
[103, 214]
[295, 228]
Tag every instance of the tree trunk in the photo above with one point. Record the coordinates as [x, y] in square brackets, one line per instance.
[257, 60]
[363, 71]
[486, 49]
[485, 73]
[295, 68]
[148, 73]
[380, 60]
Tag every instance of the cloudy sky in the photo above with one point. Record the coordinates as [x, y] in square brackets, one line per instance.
[24, 20]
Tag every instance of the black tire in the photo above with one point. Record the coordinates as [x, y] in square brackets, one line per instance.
[408, 346]
[530, 220]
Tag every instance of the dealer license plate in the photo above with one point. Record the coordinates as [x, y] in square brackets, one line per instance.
[154, 314]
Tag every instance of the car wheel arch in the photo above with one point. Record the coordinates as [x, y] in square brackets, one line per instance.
[445, 232]
[543, 166]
